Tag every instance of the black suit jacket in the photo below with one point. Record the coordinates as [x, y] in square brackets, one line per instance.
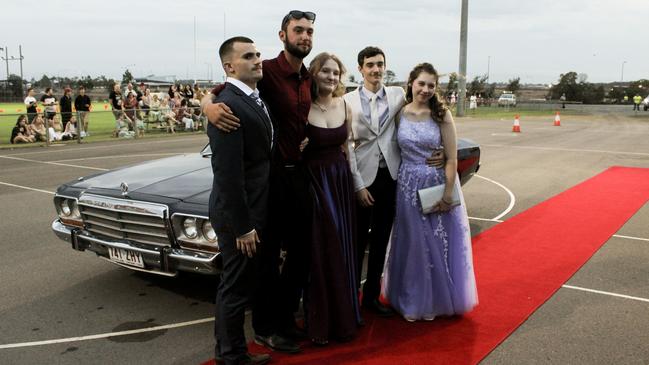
[241, 166]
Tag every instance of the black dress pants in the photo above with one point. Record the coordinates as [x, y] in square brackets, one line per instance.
[377, 218]
[288, 228]
[236, 288]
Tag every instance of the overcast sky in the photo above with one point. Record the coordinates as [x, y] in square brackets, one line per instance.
[534, 40]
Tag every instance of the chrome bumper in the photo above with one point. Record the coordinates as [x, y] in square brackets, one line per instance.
[167, 261]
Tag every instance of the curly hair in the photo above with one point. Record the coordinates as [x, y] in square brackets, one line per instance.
[436, 103]
[316, 65]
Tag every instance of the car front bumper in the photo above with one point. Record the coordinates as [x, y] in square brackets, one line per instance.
[167, 261]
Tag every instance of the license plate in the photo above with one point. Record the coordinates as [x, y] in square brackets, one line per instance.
[127, 257]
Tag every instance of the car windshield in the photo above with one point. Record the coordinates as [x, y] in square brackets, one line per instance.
[507, 96]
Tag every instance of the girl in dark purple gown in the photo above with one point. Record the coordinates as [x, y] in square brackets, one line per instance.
[331, 301]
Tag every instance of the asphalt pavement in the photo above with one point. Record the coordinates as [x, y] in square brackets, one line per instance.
[60, 306]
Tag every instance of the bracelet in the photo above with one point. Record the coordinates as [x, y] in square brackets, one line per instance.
[447, 203]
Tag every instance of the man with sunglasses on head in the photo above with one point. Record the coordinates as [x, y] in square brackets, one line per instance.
[286, 89]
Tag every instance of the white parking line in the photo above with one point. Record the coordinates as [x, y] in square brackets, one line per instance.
[631, 238]
[486, 219]
[120, 156]
[606, 293]
[112, 145]
[568, 149]
[105, 335]
[512, 198]
[53, 163]
[26, 188]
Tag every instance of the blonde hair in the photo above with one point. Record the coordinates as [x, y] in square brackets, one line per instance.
[316, 65]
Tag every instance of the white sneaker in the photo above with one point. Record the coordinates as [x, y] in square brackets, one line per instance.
[83, 134]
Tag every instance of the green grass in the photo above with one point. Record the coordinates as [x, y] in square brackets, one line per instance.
[101, 125]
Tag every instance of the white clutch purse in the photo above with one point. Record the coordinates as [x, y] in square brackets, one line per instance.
[430, 197]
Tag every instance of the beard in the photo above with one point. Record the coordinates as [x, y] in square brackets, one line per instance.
[295, 50]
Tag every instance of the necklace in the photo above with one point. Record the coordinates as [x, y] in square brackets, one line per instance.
[321, 107]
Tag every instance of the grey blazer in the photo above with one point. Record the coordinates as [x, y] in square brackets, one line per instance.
[368, 141]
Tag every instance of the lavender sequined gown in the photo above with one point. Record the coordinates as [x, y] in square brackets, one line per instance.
[429, 268]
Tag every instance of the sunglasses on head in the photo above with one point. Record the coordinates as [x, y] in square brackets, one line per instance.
[297, 14]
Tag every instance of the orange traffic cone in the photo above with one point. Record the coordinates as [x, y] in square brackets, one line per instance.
[105, 106]
[2, 110]
[557, 120]
[517, 124]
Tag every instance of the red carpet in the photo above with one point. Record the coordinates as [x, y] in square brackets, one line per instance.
[519, 264]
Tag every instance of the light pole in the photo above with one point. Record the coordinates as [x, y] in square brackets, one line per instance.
[622, 75]
[209, 71]
[462, 74]
[20, 58]
[488, 65]
[6, 59]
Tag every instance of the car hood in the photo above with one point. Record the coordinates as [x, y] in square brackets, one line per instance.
[187, 177]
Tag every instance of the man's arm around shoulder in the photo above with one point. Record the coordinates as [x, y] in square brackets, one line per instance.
[219, 113]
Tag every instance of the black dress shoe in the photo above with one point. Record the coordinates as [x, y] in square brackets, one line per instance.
[276, 342]
[378, 308]
[255, 359]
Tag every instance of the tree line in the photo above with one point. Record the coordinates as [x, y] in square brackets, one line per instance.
[15, 87]
[573, 85]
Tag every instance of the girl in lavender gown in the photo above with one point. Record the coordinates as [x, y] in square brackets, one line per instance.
[429, 268]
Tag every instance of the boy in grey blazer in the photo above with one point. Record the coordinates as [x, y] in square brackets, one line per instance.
[374, 158]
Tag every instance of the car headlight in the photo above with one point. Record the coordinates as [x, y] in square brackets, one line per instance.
[208, 232]
[68, 211]
[195, 233]
[189, 227]
[65, 208]
[74, 208]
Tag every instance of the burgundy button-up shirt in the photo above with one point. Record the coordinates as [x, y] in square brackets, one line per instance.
[288, 96]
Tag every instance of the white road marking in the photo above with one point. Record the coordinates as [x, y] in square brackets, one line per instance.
[567, 149]
[486, 219]
[105, 335]
[53, 163]
[631, 238]
[111, 145]
[25, 187]
[120, 156]
[606, 293]
[512, 198]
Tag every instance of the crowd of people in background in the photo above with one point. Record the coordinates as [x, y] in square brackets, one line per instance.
[41, 127]
[53, 119]
[178, 109]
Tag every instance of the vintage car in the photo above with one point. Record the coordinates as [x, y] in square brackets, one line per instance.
[153, 216]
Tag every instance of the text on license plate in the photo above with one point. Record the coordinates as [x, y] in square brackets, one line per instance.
[127, 257]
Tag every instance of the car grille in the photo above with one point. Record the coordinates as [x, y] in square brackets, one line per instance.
[125, 219]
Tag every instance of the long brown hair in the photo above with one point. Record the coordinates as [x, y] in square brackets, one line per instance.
[436, 103]
[316, 65]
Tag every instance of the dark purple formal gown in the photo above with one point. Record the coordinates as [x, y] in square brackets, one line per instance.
[332, 301]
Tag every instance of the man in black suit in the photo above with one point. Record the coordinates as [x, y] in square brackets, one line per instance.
[239, 199]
